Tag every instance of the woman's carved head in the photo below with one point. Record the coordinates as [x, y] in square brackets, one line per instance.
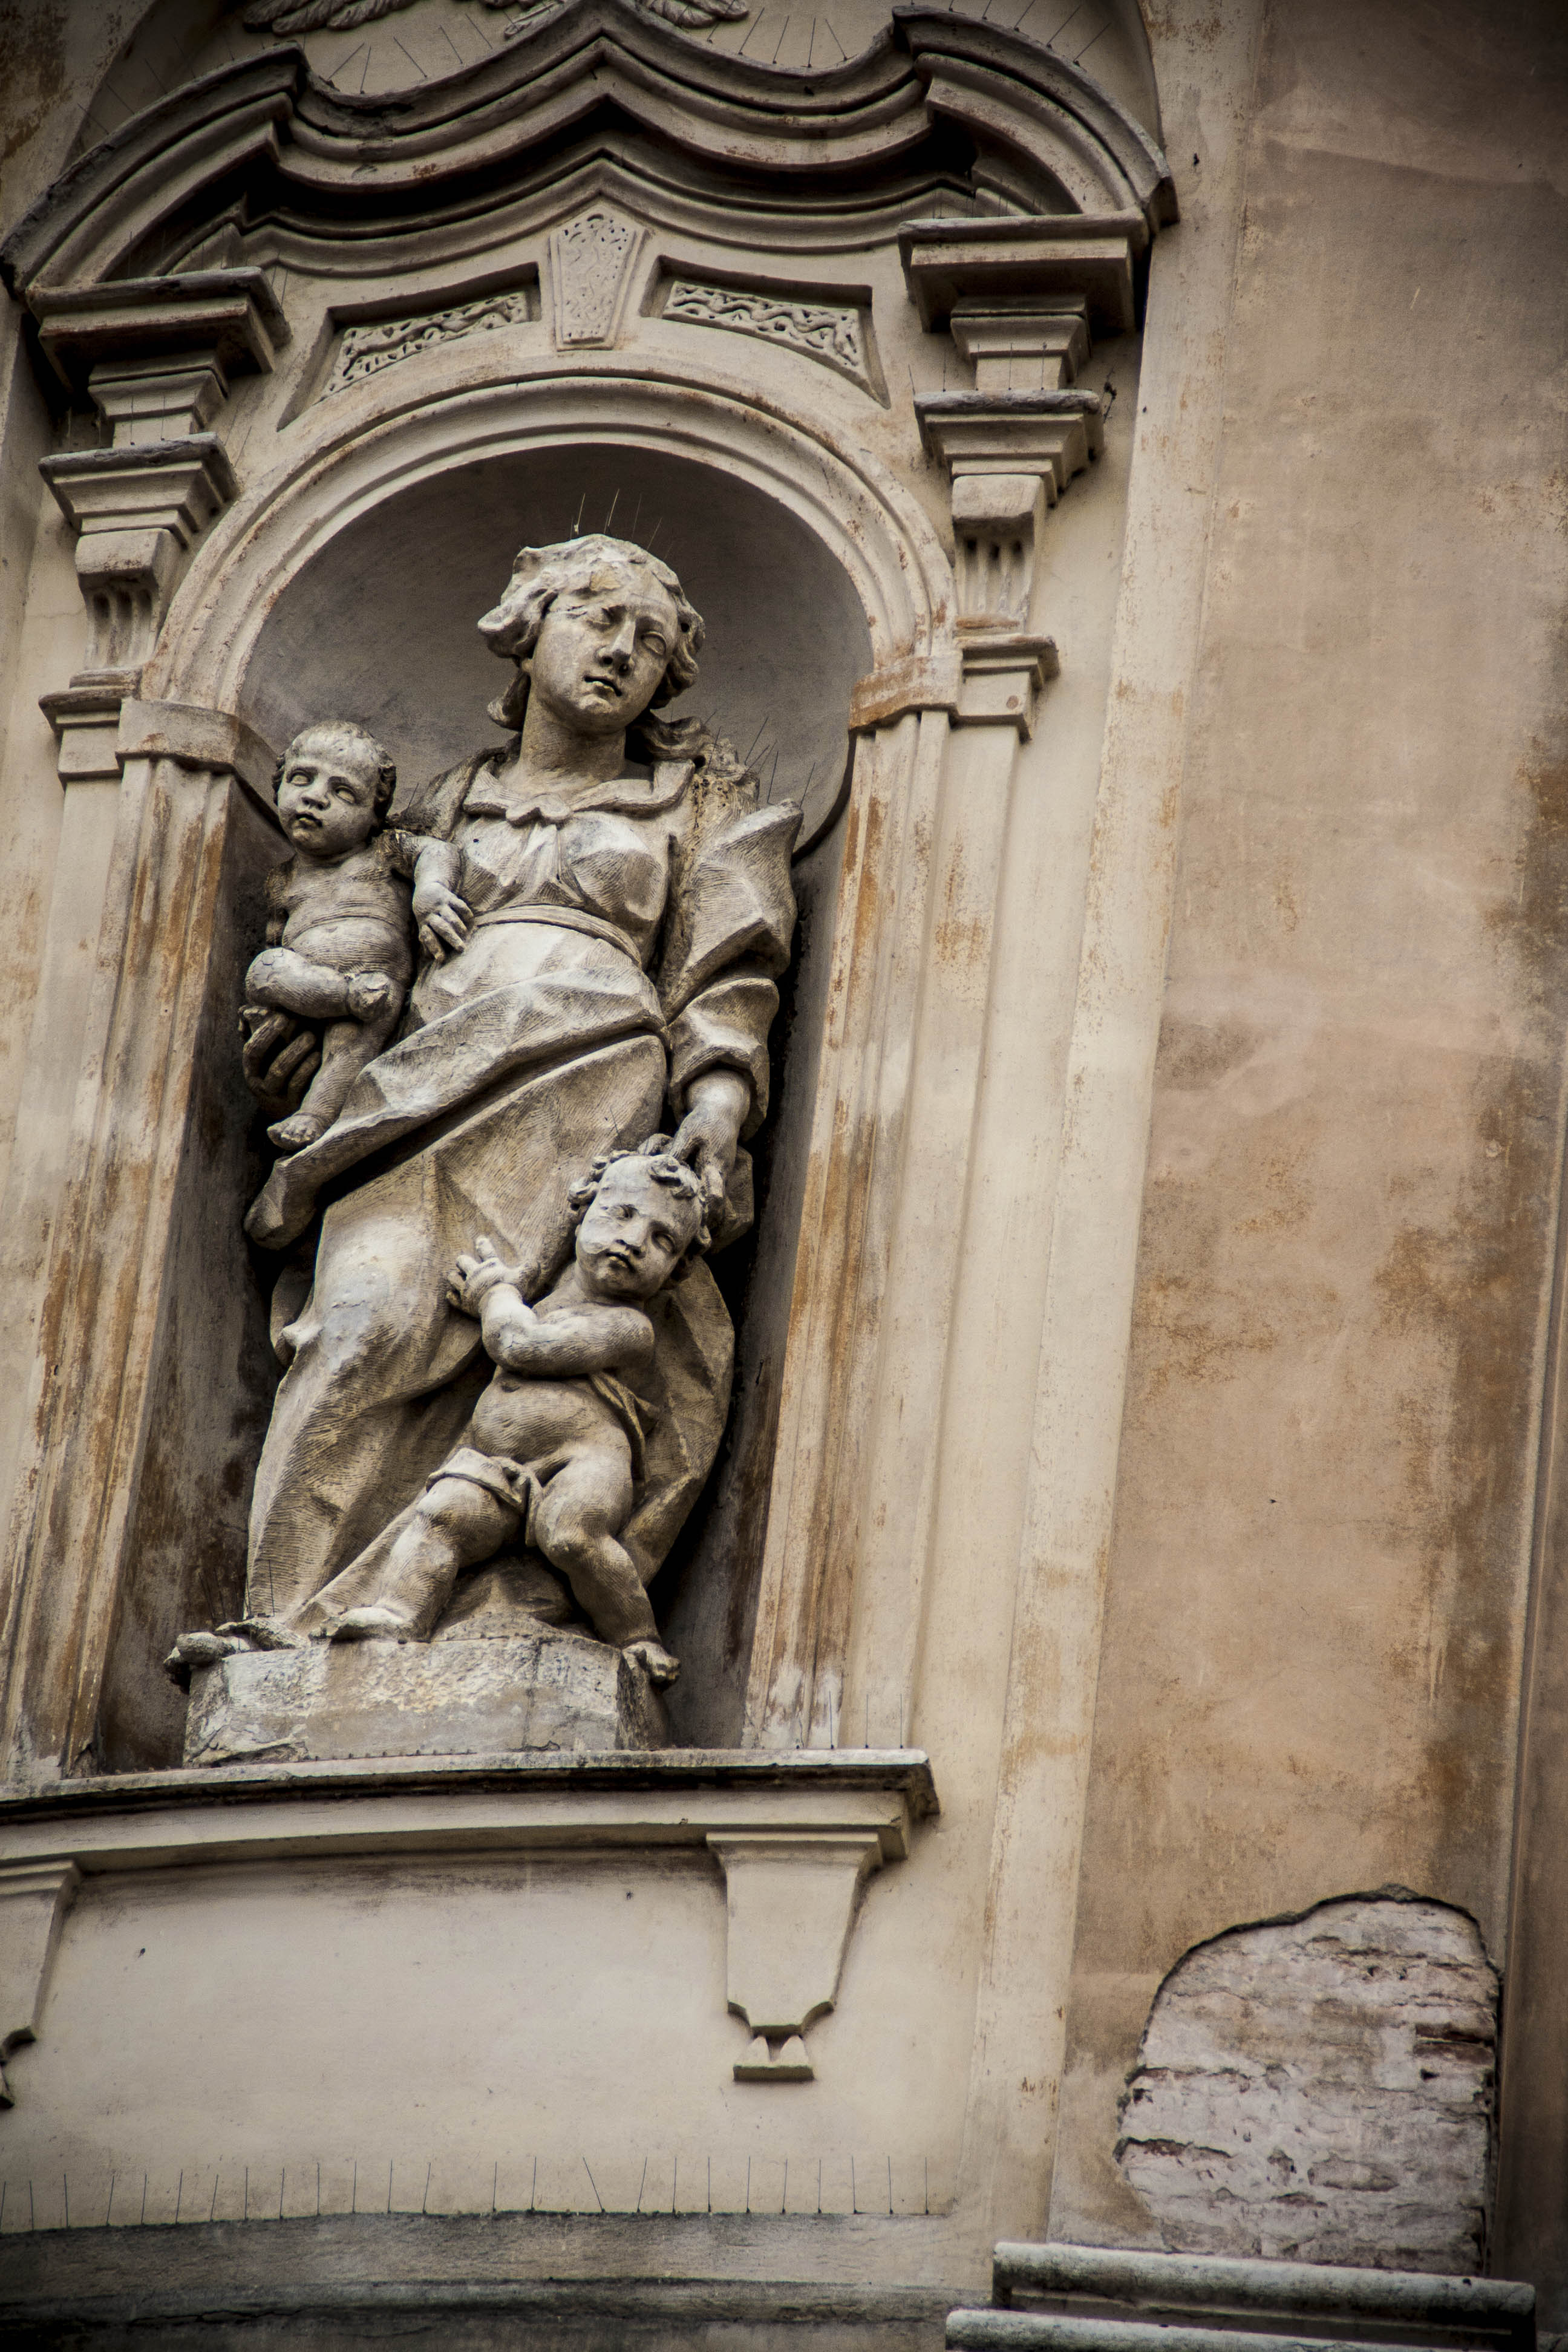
[616, 590]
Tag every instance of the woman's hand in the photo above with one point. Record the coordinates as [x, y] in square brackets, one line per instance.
[444, 920]
[473, 1278]
[279, 1058]
[709, 1135]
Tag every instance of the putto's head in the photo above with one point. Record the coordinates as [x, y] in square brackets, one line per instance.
[641, 1218]
[332, 787]
[600, 627]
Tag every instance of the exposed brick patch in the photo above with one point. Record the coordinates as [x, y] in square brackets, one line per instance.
[1322, 2089]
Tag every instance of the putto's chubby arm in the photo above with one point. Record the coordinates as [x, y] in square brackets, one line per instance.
[444, 918]
[565, 1345]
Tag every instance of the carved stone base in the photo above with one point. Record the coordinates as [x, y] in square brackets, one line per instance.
[488, 1697]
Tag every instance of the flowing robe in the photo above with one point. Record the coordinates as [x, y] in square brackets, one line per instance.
[626, 938]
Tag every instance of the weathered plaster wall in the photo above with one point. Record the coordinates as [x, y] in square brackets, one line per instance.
[1317, 1579]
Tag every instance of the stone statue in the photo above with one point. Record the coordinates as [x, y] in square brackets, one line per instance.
[338, 948]
[558, 1439]
[595, 943]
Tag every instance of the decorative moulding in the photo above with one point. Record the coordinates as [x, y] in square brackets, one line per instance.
[367, 349]
[209, 740]
[837, 333]
[1037, 125]
[917, 682]
[795, 1836]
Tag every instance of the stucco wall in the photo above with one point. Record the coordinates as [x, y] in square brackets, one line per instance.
[1311, 1670]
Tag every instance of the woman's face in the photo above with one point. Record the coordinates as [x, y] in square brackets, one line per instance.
[602, 651]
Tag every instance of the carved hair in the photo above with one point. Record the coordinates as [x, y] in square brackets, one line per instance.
[363, 741]
[665, 1169]
[542, 574]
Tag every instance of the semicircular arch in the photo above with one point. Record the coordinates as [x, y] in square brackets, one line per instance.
[374, 451]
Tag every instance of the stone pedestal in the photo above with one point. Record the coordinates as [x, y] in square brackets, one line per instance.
[487, 1697]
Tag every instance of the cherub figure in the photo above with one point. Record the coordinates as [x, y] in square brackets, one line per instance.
[554, 1446]
[338, 947]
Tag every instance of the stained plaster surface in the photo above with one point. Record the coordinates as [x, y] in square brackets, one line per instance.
[1309, 1677]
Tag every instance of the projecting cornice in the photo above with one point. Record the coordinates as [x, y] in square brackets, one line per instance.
[266, 139]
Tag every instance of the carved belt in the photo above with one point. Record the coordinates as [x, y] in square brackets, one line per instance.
[566, 919]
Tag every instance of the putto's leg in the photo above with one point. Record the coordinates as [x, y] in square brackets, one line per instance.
[293, 983]
[576, 1523]
[367, 1409]
[347, 1047]
[398, 1587]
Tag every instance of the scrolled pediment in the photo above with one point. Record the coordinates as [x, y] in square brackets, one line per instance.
[935, 96]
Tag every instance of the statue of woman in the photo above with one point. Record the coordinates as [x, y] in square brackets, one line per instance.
[594, 944]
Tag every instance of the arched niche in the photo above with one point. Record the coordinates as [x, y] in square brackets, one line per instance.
[348, 580]
[378, 625]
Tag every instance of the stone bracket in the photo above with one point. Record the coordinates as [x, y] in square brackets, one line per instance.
[791, 1899]
[137, 509]
[232, 314]
[1020, 298]
[1046, 261]
[1050, 433]
[34, 1899]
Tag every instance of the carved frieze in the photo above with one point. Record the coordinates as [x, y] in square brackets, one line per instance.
[831, 331]
[365, 351]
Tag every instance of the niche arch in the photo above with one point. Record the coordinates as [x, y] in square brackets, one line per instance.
[844, 575]
[337, 468]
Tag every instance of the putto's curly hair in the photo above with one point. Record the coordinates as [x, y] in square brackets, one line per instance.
[364, 744]
[541, 574]
[665, 1169]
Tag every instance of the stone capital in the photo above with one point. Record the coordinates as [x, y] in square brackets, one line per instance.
[233, 314]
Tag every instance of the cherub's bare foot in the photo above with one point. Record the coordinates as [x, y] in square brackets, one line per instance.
[368, 993]
[654, 1661]
[292, 1134]
[194, 1650]
[371, 1625]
